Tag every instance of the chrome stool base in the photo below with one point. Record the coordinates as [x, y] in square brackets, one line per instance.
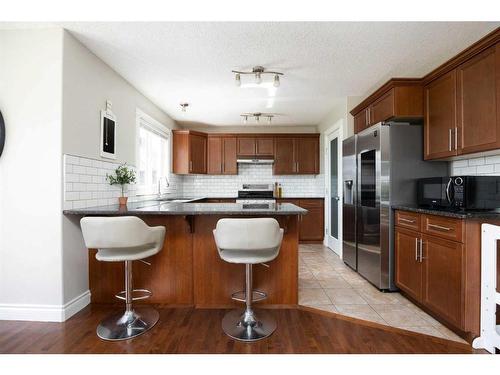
[128, 324]
[243, 327]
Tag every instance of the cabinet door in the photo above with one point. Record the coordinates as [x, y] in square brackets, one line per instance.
[443, 285]
[284, 159]
[311, 225]
[307, 155]
[264, 146]
[383, 108]
[361, 120]
[246, 146]
[478, 102]
[198, 151]
[408, 268]
[440, 117]
[229, 165]
[214, 165]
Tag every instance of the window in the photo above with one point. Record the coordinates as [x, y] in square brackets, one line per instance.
[153, 154]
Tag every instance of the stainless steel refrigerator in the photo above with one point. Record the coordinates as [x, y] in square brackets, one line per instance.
[381, 166]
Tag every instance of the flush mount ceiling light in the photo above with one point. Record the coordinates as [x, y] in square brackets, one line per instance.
[184, 106]
[257, 116]
[257, 72]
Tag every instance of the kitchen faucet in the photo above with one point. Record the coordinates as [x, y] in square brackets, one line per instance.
[159, 185]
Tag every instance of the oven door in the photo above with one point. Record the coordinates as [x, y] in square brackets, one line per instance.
[432, 192]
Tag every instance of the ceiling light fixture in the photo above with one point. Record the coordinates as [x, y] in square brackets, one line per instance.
[184, 106]
[257, 116]
[257, 71]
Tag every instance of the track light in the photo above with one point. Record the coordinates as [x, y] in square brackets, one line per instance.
[269, 120]
[257, 119]
[245, 120]
[257, 71]
[257, 116]
[276, 82]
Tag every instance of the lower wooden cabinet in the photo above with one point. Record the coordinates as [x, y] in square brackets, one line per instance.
[311, 225]
[436, 272]
[407, 260]
[443, 278]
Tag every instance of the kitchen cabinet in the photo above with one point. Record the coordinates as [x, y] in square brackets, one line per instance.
[189, 152]
[438, 266]
[407, 262]
[478, 102]
[311, 225]
[251, 146]
[462, 102]
[398, 99]
[296, 155]
[361, 120]
[222, 155]
[440, 117]
[443, 278]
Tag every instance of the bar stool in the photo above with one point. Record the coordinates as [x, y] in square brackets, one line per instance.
[249, 242]
[124, 239]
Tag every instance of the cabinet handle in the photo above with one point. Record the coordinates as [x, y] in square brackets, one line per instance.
[421, 250]
[297, 166]
[190, 166]
[416, 249]
[449, 139]
[406, 220]
[456, 138]
[439, 227]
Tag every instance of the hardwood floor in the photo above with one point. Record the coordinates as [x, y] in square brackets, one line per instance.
[188, 330]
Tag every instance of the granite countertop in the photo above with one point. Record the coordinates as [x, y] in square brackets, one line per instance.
[472, 214]
[180, 208]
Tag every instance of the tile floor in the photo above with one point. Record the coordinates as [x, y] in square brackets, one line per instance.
[326, 283]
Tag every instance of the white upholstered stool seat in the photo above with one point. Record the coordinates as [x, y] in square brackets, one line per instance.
[249, 242]
[124, 239]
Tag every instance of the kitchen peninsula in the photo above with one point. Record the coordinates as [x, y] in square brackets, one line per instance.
[188, 270]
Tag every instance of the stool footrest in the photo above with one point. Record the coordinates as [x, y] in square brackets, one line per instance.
[145, 294]
[257, 295]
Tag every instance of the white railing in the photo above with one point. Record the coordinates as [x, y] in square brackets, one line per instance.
[490, 298]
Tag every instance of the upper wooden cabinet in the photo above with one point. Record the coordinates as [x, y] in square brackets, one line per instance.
[478, 102]
[222, 155]
[462, 103]
[440, 117]
[296, 155]
[398, 99]
[189, 152]
[255, 146]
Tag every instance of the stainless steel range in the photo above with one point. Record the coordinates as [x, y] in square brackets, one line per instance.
[256, 196]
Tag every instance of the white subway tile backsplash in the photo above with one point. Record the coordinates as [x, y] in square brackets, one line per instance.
[485, 165]
[476, 161]
[86, 186]
[485, 169]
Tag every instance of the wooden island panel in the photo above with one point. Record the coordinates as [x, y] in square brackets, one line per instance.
[189, 271]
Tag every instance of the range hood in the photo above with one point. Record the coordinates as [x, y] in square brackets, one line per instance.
[255, 161]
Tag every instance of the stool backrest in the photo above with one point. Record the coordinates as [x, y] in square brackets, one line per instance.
[248, 234]
[115, 232]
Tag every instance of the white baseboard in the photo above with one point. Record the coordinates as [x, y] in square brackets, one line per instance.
[44, 313]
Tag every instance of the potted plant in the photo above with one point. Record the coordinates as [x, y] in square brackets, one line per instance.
[123, 176]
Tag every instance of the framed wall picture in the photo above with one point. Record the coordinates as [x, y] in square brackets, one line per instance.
[108, 134]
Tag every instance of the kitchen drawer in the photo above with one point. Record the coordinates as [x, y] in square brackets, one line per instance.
[444, 227]
[407, 219]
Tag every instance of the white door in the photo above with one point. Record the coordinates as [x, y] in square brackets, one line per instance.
[333, 206]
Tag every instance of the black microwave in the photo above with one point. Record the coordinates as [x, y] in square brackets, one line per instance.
[460, 192]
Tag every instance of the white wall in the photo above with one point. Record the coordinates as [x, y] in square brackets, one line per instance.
[87, 83]
[31, 174]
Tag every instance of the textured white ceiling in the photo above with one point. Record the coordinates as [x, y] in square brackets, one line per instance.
[173, 62]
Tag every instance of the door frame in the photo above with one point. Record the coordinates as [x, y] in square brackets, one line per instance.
[335, 130]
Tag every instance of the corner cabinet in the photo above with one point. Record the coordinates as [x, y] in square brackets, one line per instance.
[189, 152]
[296, 155]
